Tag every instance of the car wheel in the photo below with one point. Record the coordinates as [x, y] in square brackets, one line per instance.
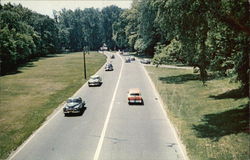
[65, 114]
[142, 102]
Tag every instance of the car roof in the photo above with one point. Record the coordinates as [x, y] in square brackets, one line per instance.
[74, 98]
[134, 90]
[94, 76]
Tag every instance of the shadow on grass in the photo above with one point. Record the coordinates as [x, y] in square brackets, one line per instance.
[234, 94]
[14, 70]
[179, 79]
[215, 126]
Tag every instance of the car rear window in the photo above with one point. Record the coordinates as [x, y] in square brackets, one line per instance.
[134, 94]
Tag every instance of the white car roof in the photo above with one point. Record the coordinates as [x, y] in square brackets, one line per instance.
[94, 76]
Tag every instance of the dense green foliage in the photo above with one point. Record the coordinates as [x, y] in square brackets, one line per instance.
[211, 35]
[25, 35]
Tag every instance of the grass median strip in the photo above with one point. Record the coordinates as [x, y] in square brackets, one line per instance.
[30, 95]
[212, 121]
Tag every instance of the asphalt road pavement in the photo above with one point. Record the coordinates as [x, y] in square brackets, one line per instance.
[109, 129]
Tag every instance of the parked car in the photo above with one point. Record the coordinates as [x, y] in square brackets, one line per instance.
[95, 80]
[74, 105]
[134, 96]
[145, 61]
[112, 56]
[109, 67]
[132, 58]
[127, 60]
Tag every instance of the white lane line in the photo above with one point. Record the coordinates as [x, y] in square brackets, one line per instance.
[50, 118]
[182, 148]
[99, 146]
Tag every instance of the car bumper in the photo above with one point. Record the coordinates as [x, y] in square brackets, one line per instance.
[71, 111]
[94, 84]
[108, 69]
[135, 101]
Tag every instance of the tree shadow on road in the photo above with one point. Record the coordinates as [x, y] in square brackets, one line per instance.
[215, 126]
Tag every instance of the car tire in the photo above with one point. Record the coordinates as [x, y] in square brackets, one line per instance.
[65, 114]
[142, 102]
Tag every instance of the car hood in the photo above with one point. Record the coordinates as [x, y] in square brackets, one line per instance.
[73, 104]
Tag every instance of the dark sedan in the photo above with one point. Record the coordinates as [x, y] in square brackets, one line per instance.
[74, 105]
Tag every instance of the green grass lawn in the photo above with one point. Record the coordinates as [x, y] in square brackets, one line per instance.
[29, 96]
[212, 121]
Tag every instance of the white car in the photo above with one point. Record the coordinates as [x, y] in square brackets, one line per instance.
[127, 60]
[95, 80]
[145, 61]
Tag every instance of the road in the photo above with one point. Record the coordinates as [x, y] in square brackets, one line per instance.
[109, 129]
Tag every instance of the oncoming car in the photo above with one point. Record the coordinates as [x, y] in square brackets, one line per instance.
[95, 80]
[134, 96]
[74, 105]
[132, 58]
[127, 60]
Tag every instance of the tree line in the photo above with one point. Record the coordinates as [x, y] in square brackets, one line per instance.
[25, 35]
[213, 36]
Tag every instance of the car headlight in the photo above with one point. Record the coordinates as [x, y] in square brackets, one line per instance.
[76, 107]
[66, 107]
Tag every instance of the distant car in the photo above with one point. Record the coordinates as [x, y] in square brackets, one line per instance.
[74, 105]
[132, 58]
[134, 96]
[145, 61]
[112, 56]
[127, 60]
[109, 67]
[95, 80]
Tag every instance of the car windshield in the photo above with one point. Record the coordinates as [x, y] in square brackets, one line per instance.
[73, 101]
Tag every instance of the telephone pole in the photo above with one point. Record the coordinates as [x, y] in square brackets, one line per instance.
[84, 62]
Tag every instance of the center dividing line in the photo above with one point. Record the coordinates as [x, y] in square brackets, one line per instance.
[99, 147]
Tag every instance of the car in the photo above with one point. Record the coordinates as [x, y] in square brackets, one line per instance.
[74, 105]
[112, 56]
[134, 96]
[109, 67]
[127, 60]
[95, 80]
[145, 61]
[132, 58]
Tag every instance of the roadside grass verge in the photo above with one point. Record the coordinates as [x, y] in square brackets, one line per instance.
[212, 121]
[28, 97]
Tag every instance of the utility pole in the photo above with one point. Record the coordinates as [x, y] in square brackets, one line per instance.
[84, 62]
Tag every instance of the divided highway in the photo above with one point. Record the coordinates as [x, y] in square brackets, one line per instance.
[129, 132]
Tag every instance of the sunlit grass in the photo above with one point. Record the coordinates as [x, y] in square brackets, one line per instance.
[28, 97]
[212, 120]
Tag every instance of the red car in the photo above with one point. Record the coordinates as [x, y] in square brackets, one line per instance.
[134, 96]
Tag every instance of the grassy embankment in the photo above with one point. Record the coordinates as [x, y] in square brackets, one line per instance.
[28, 97]
[212, 121]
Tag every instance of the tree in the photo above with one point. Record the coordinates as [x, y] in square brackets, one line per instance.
[119, 34]
[109, 15]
